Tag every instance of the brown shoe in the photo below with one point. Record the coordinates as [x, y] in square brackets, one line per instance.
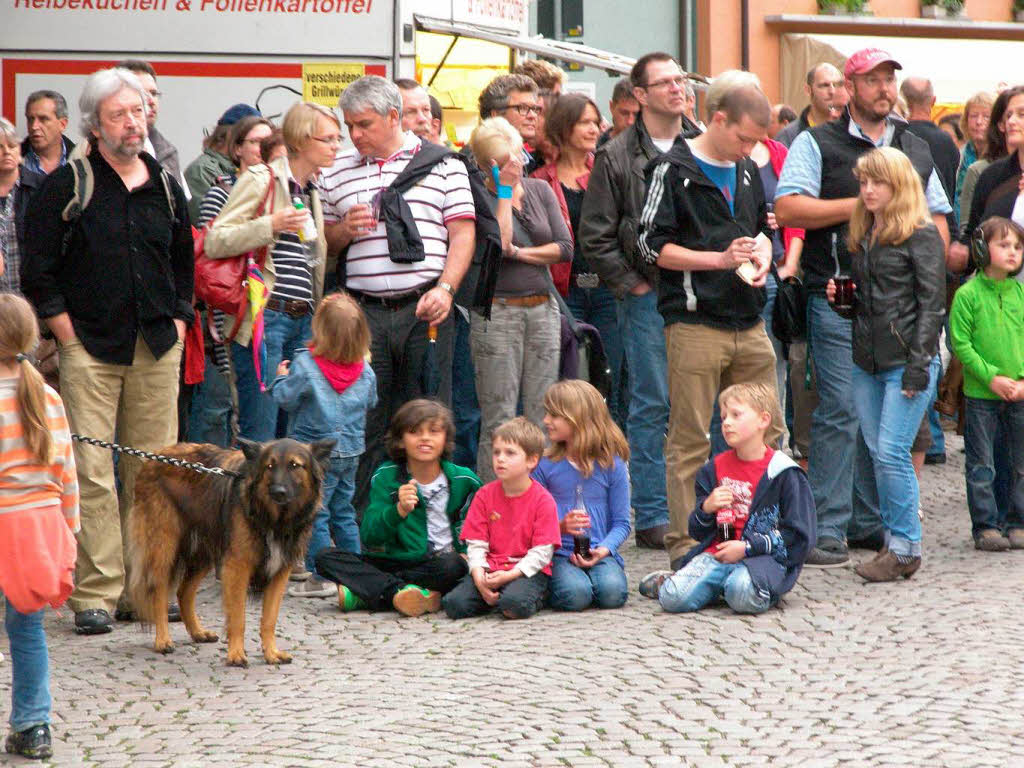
[887, 567]
[991, 540]
[1016, 537]
[415, 601]
[654, 538]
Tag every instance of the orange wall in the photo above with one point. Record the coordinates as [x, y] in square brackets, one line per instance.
[719, 22]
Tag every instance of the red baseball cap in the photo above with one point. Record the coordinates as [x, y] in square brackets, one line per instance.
[866, 59]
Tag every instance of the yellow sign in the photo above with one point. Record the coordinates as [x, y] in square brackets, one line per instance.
[323, 82]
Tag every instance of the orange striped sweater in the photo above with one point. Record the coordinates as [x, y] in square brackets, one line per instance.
[25, 482]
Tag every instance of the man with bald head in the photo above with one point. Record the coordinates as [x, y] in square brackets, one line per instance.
[920, 98]
[825, 89]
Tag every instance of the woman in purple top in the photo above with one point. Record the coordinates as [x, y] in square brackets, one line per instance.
[584, 469]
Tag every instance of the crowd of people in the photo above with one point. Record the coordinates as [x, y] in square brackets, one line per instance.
[766, 294]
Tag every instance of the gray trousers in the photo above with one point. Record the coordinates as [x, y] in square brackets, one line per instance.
[515, 354]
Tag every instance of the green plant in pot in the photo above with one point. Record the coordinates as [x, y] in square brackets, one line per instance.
[1018, 10]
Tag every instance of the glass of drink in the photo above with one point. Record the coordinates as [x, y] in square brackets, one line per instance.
[844, 292]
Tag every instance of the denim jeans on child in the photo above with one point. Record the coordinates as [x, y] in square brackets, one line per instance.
[981, 433]
[30, 690]
[210, 416]
[647, 369]
[336, 519]
[889, 420]
[839, 469]
[705, 580]
[519, 599]
[257, 411]
[575, 589]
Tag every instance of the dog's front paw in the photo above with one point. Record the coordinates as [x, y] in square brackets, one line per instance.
[165, 646]
[237, 659]
[205, 636]
[274, 656]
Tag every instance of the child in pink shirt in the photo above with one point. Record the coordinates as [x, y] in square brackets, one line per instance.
[511, 531]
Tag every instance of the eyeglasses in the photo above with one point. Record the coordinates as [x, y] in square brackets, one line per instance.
[333, 141]
[526, 109]
[678, 82]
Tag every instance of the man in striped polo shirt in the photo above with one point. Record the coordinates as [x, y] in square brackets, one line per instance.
[400, 299]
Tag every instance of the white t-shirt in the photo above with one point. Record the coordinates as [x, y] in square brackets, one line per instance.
[435, 497]
[663, 144]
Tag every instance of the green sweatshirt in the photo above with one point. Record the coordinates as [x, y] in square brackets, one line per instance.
[385, 533]
[987, 322]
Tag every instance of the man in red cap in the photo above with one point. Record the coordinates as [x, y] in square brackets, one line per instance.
[820, 196]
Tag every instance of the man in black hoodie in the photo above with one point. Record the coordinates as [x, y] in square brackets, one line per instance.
[705, 223]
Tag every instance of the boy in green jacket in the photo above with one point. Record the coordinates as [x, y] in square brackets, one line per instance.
[410, 530]
[987, 324]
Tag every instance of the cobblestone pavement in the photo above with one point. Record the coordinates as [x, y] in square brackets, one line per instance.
[923, 673]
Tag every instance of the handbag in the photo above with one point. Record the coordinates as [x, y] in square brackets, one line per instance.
[221, 283]
[789, 315]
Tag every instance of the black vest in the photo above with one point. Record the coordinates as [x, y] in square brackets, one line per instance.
[825, 254]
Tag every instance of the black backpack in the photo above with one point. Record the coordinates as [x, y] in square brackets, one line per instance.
[406, 246]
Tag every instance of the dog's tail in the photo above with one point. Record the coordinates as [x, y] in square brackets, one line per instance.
[140, 585]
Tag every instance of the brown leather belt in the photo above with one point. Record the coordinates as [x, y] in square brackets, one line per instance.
[292, 308]
[523, 301]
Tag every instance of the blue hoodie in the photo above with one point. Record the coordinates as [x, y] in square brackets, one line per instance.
[782, 506]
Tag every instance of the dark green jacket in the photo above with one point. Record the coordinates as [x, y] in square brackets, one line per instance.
[385, 533]
[200, 175]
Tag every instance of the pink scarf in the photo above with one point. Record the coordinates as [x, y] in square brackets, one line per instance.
[340, 375]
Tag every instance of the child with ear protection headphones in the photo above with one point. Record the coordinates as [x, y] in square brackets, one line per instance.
[987, 325]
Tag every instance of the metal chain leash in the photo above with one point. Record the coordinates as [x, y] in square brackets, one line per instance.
[146, 455]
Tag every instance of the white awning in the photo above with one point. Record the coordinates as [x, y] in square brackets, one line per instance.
[576, 53]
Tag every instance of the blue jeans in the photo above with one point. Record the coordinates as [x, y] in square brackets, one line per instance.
[647, 367]
[30, 691]
[981, 436]
[934, 425]
[210, 417]
[598, 307]
[839, 468]
[889, 420]
[574, 589]
[257, 411]
[336, 519]
[704, 580]
[465, 407]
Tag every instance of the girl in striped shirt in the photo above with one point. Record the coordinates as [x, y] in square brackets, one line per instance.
[38, 515]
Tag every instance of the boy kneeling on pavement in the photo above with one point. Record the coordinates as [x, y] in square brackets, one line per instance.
[755, 518]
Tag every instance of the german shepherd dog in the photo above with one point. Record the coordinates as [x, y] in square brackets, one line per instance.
[252, 527]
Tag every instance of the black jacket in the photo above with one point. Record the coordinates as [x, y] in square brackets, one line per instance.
[26, 146]
[127, 268]
[684, 207]
[28, 184]
[788, 134]
[901, 303]
[995, 194]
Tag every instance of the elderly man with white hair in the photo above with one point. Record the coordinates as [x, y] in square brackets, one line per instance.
[115, 288]
[406, 288]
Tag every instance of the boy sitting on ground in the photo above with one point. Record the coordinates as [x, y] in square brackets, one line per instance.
[511, 532]
[755, 518]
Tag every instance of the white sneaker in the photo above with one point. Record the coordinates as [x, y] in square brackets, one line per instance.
[314, 586]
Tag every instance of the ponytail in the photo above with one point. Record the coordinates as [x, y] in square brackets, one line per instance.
[32, 407]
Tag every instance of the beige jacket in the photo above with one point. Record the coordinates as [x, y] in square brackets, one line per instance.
[236, 230]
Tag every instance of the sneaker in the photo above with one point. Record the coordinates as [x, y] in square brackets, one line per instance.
[411, 600]
[299, 572]
[33, 742]
[348, 600]
[991, 540]
[314, 586]
[1016, 537]
[650, 585]
[830, 553]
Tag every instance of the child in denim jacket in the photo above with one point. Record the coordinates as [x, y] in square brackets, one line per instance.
[327, 391]
[755, 518]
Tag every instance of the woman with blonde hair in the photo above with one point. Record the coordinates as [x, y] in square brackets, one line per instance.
[515, 353]
[899, 273]
[584, 469]
[974, 121]
[264, 211]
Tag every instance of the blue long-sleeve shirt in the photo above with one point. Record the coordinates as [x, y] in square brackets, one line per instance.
[605, 493]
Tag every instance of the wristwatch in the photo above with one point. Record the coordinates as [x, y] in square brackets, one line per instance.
[447, 287]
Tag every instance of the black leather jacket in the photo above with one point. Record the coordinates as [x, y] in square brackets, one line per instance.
[901, 299]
